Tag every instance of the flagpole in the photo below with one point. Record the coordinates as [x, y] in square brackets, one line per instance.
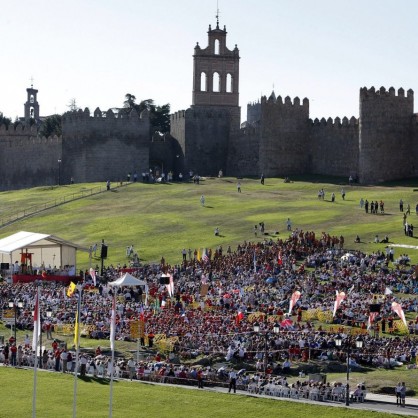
[35, 367]
[77, 352]
[112, 346]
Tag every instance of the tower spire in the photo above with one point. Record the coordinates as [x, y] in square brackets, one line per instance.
[217, 15]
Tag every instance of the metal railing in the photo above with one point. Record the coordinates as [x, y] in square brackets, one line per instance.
[33, 210]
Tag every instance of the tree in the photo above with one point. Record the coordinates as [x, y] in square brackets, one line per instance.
[51, 126]
[159, 115]
[160, 118]
[4, 120]
[72, 105]
[129, 102]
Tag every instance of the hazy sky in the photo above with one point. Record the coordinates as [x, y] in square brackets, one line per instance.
[97, 51]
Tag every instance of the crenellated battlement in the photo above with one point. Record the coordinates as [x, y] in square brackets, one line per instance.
[119, 116]
[27, 140]
[366, 93]
[180, 114]
[335, 123]
[18, 130]
[271, 101]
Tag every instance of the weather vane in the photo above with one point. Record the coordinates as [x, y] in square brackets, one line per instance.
[217, 15]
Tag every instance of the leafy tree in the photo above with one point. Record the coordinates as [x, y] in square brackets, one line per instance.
[4, 120]
[159, 115]
[160, 118]
[51, 126]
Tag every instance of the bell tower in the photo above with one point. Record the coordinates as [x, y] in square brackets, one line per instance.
[216, 71]
[31, 105]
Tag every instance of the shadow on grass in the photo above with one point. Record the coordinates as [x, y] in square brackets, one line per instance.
[100, 380]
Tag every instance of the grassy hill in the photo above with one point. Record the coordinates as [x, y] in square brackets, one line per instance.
[161, 219]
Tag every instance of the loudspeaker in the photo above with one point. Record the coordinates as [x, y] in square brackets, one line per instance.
[4, 266]
[164, 280]
[103, 252]
[375, 307]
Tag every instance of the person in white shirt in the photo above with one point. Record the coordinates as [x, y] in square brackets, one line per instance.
[131, 368]
[232, 381]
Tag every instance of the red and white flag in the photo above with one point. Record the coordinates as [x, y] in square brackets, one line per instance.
[295, 297]
[372, 317]
[396, 307]
[36, 324]
[239, 317]
[340, 297]
[141, 313]
[93, 275]
[279, 259]
[205, 257]
[113, 325]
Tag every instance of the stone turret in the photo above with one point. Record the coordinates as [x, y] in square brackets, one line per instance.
[385, 141]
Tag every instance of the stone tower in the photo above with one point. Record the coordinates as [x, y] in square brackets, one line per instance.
[203, 131]
[31, 105]
[385, 141]
[216, 71]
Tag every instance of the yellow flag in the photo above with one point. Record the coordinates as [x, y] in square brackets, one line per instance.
[76, 329]
[198, 254]
[71, 289]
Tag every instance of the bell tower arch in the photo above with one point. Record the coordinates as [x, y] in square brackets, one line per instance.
[219, 67]
[31, 105]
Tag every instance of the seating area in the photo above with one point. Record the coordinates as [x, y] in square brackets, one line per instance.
[315, 391]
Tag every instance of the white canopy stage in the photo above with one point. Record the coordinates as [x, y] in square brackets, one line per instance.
[128, 280]
[37, 250]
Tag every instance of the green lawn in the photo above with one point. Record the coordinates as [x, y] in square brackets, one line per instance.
[55, 399]
[161, 219]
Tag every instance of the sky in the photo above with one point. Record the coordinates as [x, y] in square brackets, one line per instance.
[97, 51]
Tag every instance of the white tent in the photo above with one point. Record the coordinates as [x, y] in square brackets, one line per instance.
[128, 280]
[44, 249]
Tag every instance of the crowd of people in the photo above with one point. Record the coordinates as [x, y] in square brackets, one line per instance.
[211, 312]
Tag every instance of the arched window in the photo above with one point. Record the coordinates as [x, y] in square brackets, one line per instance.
[229, 85]
[216, 82]
[203, 82]
[216, 46]
[32, 98]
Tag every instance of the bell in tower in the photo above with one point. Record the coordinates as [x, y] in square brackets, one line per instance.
[31, 105]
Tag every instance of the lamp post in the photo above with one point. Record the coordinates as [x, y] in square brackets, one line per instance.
[48, 315]
[15, 305]
[347, 346]
[266, 332]
[59, 171]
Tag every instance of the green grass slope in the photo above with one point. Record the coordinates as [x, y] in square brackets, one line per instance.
[161, 219]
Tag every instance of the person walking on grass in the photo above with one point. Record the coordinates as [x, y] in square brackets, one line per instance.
[398, 388]
[202, 200]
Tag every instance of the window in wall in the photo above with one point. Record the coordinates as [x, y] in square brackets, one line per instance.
[216, 47]
[32, 98]
[216, 82]
[229, 86]
[203, 82]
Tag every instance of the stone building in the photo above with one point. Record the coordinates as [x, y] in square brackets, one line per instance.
[278, 138]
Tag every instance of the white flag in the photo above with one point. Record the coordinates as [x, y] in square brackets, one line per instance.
[36, 324]
[113, 325]
[388, 291]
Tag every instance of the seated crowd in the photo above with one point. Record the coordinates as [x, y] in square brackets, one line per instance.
[216, 301]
